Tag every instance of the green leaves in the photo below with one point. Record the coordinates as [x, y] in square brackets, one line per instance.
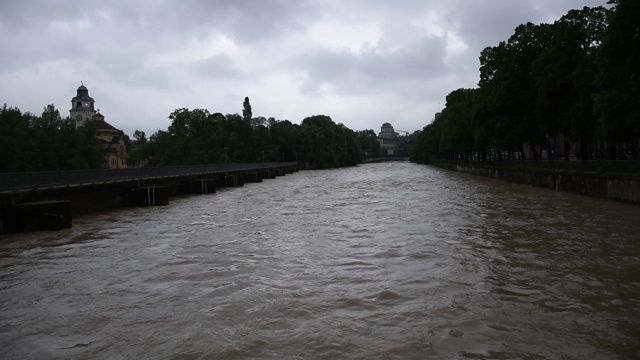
[197, 137]
[47, 142]
[577, 79]
[246, 110]
[617, 104]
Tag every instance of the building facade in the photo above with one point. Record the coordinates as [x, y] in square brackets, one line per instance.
[111, 139]
[391, 141]
[387, 132]
[82, 106]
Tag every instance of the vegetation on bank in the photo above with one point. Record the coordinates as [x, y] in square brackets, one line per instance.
[199, 137]
[49, 142]
[575, 81]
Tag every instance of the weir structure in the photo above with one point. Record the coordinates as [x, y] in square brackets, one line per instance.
[31, 201]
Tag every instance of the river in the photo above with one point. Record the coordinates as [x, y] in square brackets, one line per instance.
[379, 261]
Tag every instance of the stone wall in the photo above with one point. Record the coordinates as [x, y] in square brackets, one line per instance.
[607, 187]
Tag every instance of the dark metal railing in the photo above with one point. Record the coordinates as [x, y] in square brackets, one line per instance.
[48, 179]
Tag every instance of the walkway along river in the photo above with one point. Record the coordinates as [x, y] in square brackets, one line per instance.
[380, 261]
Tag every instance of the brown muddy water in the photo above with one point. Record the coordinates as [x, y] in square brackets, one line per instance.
[380, 261]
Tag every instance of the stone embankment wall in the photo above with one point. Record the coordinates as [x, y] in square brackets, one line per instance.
[616, 188]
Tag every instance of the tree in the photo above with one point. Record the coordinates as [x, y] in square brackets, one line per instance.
[246, 110]
[46, 142]
[507, 77]
[138, 155]
[18, 150]
[322, 142]
[354, 154]
[89, 147]
[369, 143]
[270, 122]
[617, 105]
[565, 73]
[284, 137]
[258, 121]
[457, 141]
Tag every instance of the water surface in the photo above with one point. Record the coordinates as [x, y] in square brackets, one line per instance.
[380, 261]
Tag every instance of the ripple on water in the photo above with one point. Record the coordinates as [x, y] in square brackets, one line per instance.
[379, 261]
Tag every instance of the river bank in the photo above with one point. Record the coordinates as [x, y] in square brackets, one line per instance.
[612, 186]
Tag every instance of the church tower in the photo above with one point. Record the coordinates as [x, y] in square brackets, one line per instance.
[82, 106]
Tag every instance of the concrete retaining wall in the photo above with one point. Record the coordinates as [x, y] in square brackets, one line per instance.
[612, 188]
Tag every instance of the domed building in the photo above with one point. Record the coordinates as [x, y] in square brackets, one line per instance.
[82, 106]
[387, 132]
[392, 141]
[111, 138]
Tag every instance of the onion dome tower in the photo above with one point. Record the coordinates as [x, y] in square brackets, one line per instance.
[82, 106]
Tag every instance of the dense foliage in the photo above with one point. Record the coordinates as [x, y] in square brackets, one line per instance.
[198, 137]
[572, 85]
[47, 142]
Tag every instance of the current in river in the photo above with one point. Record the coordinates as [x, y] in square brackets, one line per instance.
[378, 261]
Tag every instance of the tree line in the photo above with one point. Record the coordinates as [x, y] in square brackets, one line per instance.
[50, 142]
[570, 87]
[47, 142]
[199, 137]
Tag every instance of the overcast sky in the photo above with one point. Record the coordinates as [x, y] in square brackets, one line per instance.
[361, 62]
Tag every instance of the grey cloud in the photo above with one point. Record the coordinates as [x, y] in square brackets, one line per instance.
[244, 21]
[374, 69]
[487, 22]
[157, 24]
[112, 45]
[218, 66]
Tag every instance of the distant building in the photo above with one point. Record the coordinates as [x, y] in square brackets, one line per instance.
[111, 139]
[82, 106]
[387, 132]
[391, 140]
